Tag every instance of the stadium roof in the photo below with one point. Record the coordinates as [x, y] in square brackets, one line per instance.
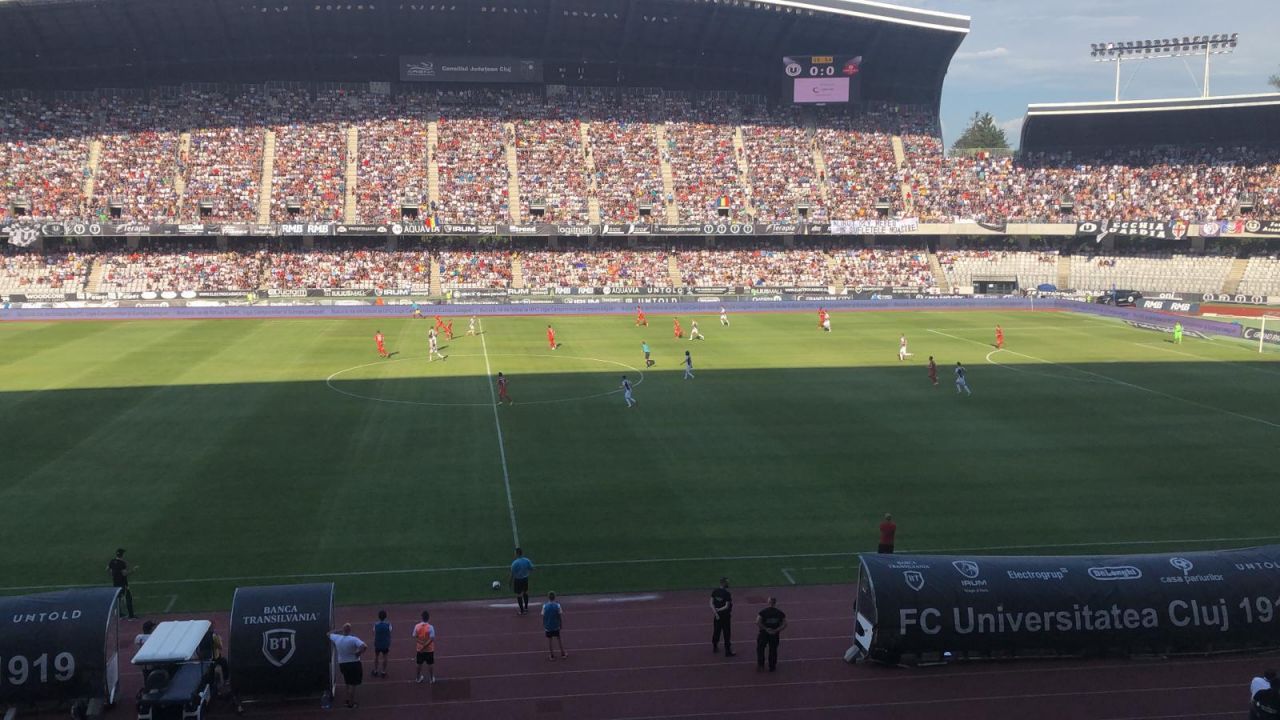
[708, 44]
[1235, 119]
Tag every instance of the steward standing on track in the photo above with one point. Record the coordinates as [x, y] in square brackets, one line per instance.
[119, 570]
[771, 621]
[722, 614]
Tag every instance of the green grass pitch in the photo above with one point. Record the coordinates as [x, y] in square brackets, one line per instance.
[221, 454]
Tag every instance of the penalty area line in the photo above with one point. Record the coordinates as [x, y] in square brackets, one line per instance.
[656, 561]
[1140, 388]
[502, 447]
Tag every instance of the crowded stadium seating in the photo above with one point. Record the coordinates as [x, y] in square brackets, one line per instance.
[161, 268]
[730, 157]
[603, 267]
[28, 272]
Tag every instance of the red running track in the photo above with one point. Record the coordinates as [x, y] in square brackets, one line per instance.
[649, 656]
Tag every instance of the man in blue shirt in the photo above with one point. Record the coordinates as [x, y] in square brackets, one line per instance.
[381, 644]
[552, 620]
[520, 569]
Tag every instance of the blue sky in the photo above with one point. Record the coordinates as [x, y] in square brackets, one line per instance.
[1033, 51]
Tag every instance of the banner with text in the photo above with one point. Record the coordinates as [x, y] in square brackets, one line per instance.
[913, 605]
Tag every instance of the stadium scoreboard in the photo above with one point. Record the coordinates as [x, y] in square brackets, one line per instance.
[822, 79]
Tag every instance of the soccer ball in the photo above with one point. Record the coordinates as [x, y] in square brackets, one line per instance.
[496, 585]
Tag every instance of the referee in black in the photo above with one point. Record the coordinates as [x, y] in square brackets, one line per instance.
[119, 570]
[722, 614]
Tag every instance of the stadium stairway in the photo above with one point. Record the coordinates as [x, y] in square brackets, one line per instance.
[517, 273]
[820, 165]
[513, 172]
[437, 285]
[179, 174]
[589, 167]
[96, 272]
[268, 176]
[673, 271]
[1231, 285]
[95, 155]
[433, 167]
[900, 158]
[744, 167]
[350, 209]
[668, 178]
[1064, 272]
[944, 283]
[899, 151]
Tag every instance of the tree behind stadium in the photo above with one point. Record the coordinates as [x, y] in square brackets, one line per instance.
[982, 134]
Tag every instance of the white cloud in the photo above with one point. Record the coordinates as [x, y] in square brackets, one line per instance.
[993, 53]
[1012, 130]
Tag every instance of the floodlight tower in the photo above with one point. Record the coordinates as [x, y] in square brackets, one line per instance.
[1195, 46]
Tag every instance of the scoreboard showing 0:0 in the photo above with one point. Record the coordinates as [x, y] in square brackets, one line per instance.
[822, 78]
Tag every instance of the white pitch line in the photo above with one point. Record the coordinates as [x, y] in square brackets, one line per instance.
[786, 572]
[1141, 388]
[1234, 364]
[655, 561]
[502, 450]
[173, 600]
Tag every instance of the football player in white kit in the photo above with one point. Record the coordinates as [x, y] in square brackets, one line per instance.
[902, 348]
[695, 333]
[433, 341]
[626, 391]
[471, 325]
[961, 383]
[724, 317]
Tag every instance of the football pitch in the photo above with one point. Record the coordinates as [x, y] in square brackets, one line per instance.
[247, 452]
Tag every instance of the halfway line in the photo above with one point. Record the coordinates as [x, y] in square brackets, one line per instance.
[502, 450]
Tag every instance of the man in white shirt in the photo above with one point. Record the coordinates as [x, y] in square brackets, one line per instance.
[349, 649]
[1262, 682]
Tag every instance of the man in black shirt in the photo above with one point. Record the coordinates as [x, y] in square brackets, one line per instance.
[722, 613]
[771, 623]
[119, 570]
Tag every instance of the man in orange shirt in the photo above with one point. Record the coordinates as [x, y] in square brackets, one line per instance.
[551, 337]
[424, 640]
[999, 338]
[640, 318]
[677, 330]
[888, 529]
[502, 390]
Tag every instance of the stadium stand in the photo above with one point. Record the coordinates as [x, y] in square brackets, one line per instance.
[162, 267]
[594, 268]
[1032, 269]
[463, 267]
[44, 156]
[1150, 271]
[348, 266]
[472, 158]
[1262, 276]
[393, 158]
[24, 271]
[759, 266]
